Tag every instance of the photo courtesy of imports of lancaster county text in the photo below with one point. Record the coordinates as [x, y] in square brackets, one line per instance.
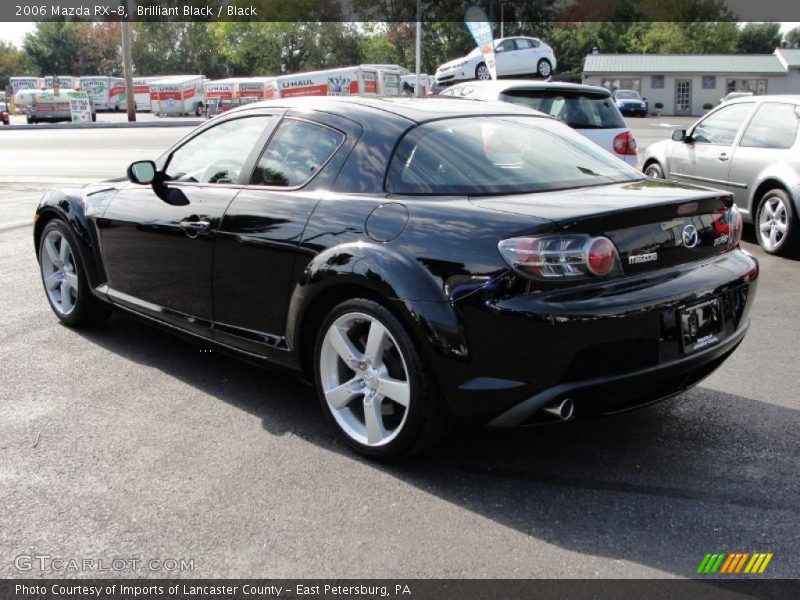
[347, 300]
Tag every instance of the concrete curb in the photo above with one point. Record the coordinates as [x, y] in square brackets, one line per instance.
[114, 125]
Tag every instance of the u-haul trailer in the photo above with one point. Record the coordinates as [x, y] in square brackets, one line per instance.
[178, 95]
[255, 89]
[106, 93]
[221, 95]
[348, 81]
[64, 82]
[141, 92]
[25, 83]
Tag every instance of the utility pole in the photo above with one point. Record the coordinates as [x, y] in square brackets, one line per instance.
[127, 66]
[418, 85]
[501, 19]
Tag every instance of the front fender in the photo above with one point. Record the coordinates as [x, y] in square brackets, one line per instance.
[75, 207]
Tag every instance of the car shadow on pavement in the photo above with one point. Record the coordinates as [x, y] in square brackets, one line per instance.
[660, 487]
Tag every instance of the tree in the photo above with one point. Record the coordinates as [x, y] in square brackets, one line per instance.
[759, 38]
[691, 38]
[56, 47]
[14, 62]
[792, 38]
[101, 52]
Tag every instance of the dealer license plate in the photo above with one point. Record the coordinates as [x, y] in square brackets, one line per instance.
[701, 325]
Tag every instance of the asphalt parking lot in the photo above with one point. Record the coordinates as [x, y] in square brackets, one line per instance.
[124, 441]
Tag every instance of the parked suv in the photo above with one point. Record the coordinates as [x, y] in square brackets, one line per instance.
[586, 108]
[748, 146]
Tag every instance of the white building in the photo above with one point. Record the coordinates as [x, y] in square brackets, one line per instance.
[684, 83]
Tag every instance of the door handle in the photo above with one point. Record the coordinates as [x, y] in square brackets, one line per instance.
[723, 157]
[194, 228]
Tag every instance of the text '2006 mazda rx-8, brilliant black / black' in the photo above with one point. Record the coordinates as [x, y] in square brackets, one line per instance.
[421, 259]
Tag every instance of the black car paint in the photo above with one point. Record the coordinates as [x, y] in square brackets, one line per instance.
[273, 257]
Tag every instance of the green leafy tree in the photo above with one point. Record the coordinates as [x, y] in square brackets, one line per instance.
[691, 38]
[792, 38]
[56, 47]
[14, 62]
[759, 38]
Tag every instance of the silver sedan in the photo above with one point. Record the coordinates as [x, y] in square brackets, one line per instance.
[750, 147]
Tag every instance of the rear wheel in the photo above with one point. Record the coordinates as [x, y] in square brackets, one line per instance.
[544, 68]
[373, 384]
[776, 224]
[64, 278]
[654, 171]
[482, 72]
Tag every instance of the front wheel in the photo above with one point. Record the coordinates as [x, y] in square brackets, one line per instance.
[776, 224]
[64, 278]
[482, 72]
[544, 68]
[654, 171]
[373, 384]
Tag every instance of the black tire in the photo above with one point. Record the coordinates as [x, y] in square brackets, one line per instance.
[654, 170]
[789, 244]
[199, 110]
[482, 72]
[544, 68]
[427, 421]
[30, 121]
[88, 310]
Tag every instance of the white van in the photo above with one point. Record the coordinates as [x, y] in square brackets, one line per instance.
[106, 93]
[178, 95]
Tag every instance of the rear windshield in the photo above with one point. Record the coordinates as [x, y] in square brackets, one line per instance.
[580, 110]
[499, 155]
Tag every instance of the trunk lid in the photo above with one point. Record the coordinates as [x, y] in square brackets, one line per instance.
[653, 223]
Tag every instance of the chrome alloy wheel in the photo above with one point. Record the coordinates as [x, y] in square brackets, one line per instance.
[364, 379]
[773, 223]
[483, 73]
[59, 273]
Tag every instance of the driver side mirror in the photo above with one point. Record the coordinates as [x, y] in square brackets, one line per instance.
[679, 135]
[142, 172]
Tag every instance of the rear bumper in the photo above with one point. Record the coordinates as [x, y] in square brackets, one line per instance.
[621, 392]
[606, 346]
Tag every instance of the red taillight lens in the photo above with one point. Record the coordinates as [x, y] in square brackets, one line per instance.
[625, 144]
[601, 256]
[572, 256]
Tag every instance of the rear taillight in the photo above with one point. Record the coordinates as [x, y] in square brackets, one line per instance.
[735, 225]
[553, 257]
[625, 144]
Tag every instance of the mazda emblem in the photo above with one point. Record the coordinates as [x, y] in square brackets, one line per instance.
[689, 236]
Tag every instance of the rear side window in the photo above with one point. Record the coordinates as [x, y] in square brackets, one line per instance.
[497, 155]
[580, 110]
[296, 152]
[773, 126]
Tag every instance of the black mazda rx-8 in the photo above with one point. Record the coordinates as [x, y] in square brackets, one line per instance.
[420, 260]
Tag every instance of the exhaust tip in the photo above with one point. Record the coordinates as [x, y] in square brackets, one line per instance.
[563, 410]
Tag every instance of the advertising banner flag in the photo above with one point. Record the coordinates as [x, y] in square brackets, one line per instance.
[478, 24]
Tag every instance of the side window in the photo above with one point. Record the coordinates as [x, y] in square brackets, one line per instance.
[296, 152]
[722, 126]
[523, 44]
[218, 154]
[505, 46]
[773, 126]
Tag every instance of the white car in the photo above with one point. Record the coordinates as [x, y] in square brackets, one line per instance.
[588, 109]
[514, 56]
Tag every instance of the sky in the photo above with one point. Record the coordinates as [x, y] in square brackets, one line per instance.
[15, 32]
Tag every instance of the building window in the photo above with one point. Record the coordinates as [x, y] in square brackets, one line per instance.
[657, 82]
[623, 84]
[757, 86]
[709, 82]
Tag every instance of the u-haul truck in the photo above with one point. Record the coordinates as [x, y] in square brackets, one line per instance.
[25, 83]
[141, 92]
[64, 82]
[255, 89]
[178, 95]
[106, 93]
[348, 81]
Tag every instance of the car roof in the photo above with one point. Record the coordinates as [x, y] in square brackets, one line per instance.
[503, 85]
[793, 98]
[418, 110]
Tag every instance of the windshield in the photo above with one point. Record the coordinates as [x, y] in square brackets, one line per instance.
[499, 155]
[581, 110]
[627, 95]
